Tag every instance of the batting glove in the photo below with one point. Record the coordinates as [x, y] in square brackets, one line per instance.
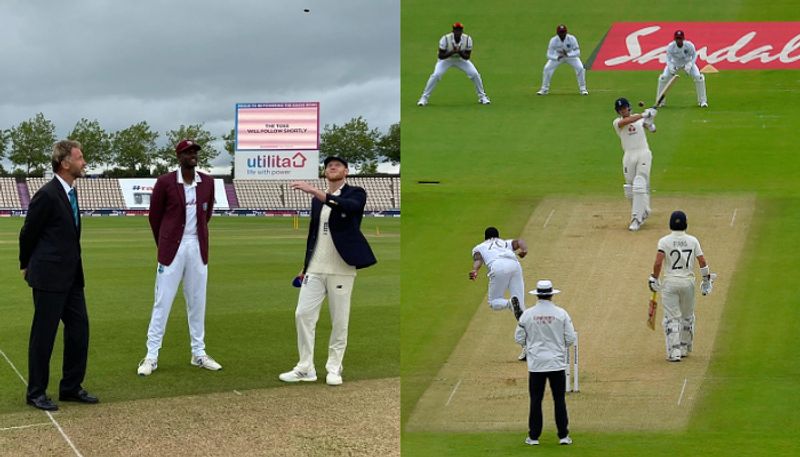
[708, 284]
[653, 284]
[649, 113]
[688, 67]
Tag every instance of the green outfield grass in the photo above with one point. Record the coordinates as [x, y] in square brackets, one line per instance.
[249, 317]
[496, 162]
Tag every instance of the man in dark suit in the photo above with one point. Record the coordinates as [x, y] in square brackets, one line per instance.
[180, 207]
[335, 249]
[50, 260]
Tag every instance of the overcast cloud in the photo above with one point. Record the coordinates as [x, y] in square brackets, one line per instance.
[174, 62]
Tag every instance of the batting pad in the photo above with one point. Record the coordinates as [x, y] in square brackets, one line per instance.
[584, 247]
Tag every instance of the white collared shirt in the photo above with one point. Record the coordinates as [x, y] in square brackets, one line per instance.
[326, 259]
[190, 191]
[64, 184]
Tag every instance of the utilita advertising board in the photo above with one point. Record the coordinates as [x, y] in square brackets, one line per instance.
[723, 45]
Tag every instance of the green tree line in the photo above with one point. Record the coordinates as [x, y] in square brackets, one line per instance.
[134, 151]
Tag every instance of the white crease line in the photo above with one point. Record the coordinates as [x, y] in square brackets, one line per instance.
[237, 392]
[682, 390]
[52, 419]
[548, 218]
[453, 392]
[24, 426]
[733, 218]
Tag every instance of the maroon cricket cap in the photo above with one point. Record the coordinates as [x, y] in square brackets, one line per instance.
[186, 145]
[561, 28]
[679, 34]
[458, 25]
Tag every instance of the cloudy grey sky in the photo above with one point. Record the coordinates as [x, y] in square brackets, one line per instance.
[173, 62]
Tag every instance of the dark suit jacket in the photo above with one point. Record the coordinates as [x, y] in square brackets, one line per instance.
[168, 214]
[49, 242]
[347, 210]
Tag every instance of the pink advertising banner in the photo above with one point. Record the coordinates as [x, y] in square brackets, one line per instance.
[277, 126]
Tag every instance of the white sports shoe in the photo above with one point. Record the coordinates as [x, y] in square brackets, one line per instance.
[147, 366]
[484, 100]
[297, 376]
[531, 442]
[584, 92]
[333, 379]
[565, 441]
[542, 92]
[635, 224]
[422, 101]
[704, 105]
[205, 361]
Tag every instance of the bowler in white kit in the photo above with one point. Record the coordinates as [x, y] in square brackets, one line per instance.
[681, 55]
[563, 48]
[455, 50]
[636, 159]
[505, 272]
[677, 252]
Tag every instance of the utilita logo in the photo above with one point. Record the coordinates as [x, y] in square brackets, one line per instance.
[298, 160]
[724, 45]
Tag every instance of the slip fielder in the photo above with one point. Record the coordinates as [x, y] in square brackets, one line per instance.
[505, 272]
[636, 159]
[679, 249]
[455, 50]
[681, 55]
[563, 48]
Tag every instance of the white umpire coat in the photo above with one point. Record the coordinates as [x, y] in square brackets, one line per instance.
[546, 331]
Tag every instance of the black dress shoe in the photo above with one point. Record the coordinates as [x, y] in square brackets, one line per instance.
[81, 396]
[42, 402]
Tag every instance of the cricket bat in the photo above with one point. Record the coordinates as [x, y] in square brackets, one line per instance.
[651, 312]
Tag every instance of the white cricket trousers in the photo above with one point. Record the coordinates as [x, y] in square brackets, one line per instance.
[636, 168]
[464, 65]
[505, 274]
[188, 267]
[550, 68]
[338, 289]
[677, 296]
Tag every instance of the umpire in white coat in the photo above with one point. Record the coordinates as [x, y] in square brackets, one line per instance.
[546, 331]
[336, 248]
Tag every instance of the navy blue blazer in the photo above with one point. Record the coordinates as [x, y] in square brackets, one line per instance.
[50, 241]
[347, 210]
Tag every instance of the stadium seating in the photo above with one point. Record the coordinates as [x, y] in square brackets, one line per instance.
[9, 196]
[382, 193]
[93, 193]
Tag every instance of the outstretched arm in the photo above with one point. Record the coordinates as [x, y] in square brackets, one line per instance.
[477, 261]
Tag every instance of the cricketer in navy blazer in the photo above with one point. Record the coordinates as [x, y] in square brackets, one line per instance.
[347, 210]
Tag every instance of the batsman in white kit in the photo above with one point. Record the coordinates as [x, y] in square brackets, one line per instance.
[636, 159]
[505, 272]
[180, 208]
[335, 249]
[455, 50]
[679, 250]
[563, 48]
[681, 55]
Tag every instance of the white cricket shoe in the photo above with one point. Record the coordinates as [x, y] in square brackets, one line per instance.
[635, 224]
[297, 376]
[542, 92]
[147, 366]
[333, 379]
[422, 101]
[531, 442]
[584, 92]
[704, 105]
[684, 351]
[205, 361]
[484, 100]
[565, 441]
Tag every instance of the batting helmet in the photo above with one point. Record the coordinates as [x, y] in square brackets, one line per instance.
[491, 232]
[620, 103]
[677, 221]
[679, 34]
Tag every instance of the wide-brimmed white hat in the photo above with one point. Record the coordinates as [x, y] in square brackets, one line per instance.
[544, 287]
